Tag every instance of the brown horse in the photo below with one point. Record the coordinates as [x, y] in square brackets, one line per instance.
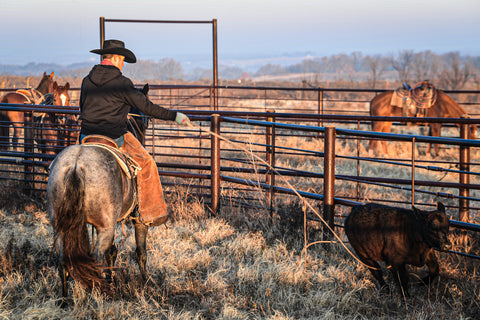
[16, 118]
[444, 107]
[50, 128]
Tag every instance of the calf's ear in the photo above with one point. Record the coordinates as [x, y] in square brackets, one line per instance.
[440, 207]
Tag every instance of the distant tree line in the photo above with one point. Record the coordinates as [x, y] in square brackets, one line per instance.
[447, 71]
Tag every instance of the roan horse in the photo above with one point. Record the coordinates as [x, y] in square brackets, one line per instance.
[16, 118]
[50, 131]
[88, 185]
[444, 107]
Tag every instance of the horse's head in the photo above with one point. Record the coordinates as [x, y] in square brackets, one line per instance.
[60, 95]
[62, 98]
[46, 83]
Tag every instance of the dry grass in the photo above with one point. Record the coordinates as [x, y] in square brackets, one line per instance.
[238, 265]
[241, 264]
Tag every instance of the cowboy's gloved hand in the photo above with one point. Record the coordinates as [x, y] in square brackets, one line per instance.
[182, 119]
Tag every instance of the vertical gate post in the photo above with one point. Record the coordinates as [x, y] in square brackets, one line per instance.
[215, 65]
[320, 106]
[102, 32]
[28, 152]
[329, 180]
[215, 162]
[464, 204]
[270, 157]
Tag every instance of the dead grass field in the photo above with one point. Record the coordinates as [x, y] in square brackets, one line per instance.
[238, 265]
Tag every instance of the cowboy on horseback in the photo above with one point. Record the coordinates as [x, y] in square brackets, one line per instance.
[105, 100]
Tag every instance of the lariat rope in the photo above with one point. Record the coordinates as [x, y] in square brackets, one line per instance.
[135, 125]
[305, 202]
[426, 98]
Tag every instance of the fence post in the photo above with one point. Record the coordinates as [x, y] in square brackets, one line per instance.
[28, 143]
[270, 157]
[464, 204]
[320, 106]
[215, 162]
[413, 172]
[329, 181]
[211, 99]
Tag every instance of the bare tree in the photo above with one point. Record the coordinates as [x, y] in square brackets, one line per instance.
[476, 77]
[456, 72]
[402, 64]
[376, 64]
[425, 66]
[355, 65]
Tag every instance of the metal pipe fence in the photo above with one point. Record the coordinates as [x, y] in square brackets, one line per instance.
[294, 150]
[255, 98]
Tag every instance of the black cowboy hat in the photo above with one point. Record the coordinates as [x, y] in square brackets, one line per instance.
[116, 47]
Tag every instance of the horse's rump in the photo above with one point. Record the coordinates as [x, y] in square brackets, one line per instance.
[87, 185]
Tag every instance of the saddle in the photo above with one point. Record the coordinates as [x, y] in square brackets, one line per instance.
[129, 166]
[424, 95]
[33, 96]
[421, 96]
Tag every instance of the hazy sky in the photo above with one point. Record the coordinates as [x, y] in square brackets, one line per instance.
[64, 31]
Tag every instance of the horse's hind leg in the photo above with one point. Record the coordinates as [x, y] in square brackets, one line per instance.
[64, 275]
[111, 255]
[4, 135]
[379, 146]
[434, 131]
[141, 231]
[103, 245]
[17, 133]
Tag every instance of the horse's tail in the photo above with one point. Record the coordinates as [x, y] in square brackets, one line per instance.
[71, 230]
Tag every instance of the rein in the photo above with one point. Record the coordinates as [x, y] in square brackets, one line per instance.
[135, 125]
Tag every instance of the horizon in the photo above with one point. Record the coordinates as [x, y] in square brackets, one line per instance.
[248, 28]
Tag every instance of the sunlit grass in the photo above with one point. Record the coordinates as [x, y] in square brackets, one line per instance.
[242, 263]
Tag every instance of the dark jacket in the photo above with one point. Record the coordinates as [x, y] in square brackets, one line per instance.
[105, 99]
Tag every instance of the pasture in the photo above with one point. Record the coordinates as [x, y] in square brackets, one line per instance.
[241, 264]
[245, 262]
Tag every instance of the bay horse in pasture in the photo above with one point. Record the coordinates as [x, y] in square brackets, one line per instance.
[92, 183]
[51, 128]
[16, 118]
[443, 107]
